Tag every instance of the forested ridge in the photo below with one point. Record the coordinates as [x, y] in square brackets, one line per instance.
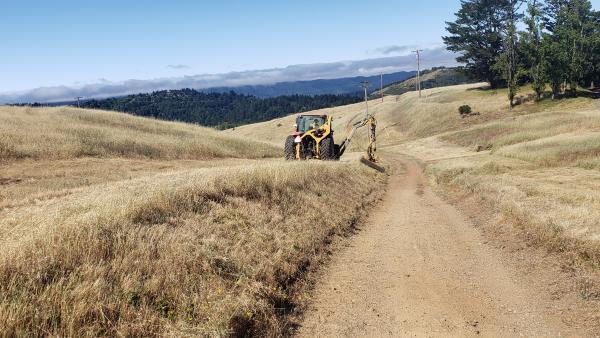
[221, 110]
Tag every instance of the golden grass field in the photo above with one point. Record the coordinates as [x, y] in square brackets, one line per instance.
[537, 167]
[66, 133]
[124, 226]
[539, 160]
[119, 225]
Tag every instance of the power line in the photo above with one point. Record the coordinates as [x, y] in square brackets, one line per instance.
[418, 84]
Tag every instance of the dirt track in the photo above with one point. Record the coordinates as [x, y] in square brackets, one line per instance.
[418, 268]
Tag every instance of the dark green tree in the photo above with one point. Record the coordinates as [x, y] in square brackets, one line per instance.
[533, 57]
[568, 43]
[221, 110]
[507, 63]
[477, 36]
[592, 76]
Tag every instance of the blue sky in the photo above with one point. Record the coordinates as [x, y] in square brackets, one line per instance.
[72, 43]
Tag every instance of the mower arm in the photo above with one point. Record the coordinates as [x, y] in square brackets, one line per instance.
[344, 145]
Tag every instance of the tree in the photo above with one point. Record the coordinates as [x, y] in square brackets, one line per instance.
[570, 25]
[477, 36]
[531, 47]
[507, 61]
[592, 77]
[222, 110]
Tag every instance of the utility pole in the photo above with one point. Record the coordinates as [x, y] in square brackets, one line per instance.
[418, 85]
[381, 87]
[78, 98]
[365, 85]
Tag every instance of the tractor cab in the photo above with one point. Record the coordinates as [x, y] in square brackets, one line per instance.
[305, 123]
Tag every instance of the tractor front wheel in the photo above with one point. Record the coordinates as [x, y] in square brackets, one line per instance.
[290, 148]
[327, 149]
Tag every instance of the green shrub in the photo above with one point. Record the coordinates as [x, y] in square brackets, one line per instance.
[464, 110]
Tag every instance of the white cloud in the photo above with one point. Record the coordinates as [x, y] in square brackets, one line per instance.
[394, 49]
[178, 66]
[104, 88]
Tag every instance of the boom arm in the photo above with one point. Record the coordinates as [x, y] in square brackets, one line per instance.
[369, 120]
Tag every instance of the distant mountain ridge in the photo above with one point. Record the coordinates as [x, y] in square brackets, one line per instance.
[338, 86]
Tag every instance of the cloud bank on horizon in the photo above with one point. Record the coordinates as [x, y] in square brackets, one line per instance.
[303, 72]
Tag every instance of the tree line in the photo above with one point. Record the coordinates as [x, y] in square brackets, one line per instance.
[508, 43]
[220, 110]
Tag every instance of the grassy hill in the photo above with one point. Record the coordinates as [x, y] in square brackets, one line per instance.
[204, 234]
[432, 78]
[64, 133]
[124, 226]
[517, 160]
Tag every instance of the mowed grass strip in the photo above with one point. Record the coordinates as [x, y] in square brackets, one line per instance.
[523, 129]
[553, 207]
[208, 252]
[65, 133]
[580, 149]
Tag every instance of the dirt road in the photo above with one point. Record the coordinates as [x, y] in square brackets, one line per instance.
[418, 268]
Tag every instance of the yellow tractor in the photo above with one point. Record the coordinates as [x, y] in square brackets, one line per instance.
[313, 139]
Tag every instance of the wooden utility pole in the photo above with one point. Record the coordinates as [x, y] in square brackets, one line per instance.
[365, 85]
[381, 87]
[78, 98]
[418, 84]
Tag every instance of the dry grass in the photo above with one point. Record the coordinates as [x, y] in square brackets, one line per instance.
[113, 225]
[406, 117]
[399, 117]
[138, 241]
[581, 149]
[27, 182]
[65, 133]
[534, 176]
[552, 138]
[524, 128]
[195, 252]
[557, 208]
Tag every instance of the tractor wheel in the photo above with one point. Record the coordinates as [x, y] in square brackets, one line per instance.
[336, 151]
[327, 149]
[290, 148]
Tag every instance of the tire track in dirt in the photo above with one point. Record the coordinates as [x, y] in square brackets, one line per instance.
[418, 268]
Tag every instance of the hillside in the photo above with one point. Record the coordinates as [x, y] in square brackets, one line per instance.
[66, 133]
[432, 78]
[118, 225]
[400, 117]
[527, 179]
[557, 138]
[175, 229]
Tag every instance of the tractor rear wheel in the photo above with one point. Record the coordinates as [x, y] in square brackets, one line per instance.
[327, 149]
[290, 148]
